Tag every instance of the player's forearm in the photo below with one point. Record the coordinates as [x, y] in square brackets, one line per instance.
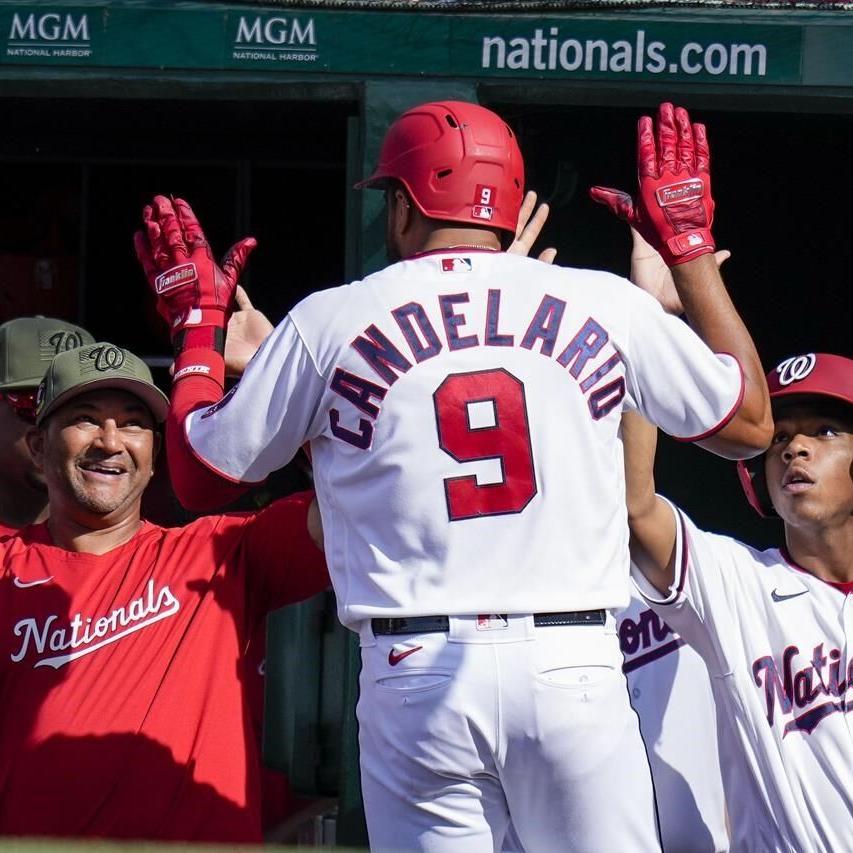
[649, 518]
[713, 316]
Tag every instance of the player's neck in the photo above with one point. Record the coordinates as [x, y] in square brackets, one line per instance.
[826, 553]
[461, 238]
[93, 535]
[21, 505]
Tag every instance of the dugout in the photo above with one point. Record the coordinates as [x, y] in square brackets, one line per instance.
[264, 114]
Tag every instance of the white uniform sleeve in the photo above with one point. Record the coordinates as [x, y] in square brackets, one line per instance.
[674, 380]
[274, 409]
[705, 601]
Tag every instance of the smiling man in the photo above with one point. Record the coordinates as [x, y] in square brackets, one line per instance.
[121, 654]
[774, 627]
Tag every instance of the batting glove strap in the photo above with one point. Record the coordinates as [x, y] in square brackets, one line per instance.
[681, 248]
[207, 333]
[200, 363]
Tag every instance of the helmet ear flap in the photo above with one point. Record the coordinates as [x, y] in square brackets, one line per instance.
[754, 484]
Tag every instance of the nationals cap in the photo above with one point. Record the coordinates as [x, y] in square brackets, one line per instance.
[96, 367]
[814, 374]
[28, 344]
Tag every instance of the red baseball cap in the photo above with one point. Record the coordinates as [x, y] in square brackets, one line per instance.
[813, 374]
[800, 376]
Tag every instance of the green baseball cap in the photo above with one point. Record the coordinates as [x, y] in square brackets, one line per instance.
[28, 344]
[98, 366]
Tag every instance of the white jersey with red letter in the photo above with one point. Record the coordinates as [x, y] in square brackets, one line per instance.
[670, 691]
[775, 640]
[463, 410]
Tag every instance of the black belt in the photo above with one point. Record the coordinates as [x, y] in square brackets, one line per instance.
[434, 624]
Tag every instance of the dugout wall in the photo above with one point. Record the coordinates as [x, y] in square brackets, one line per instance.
[264, 115]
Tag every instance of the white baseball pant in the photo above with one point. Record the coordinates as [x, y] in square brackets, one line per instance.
[461, 731]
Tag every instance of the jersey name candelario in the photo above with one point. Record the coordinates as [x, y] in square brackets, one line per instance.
[424, 342]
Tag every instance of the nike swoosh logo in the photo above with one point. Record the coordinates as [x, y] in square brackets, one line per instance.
[395, 657]
[782, 597]
[27, 584]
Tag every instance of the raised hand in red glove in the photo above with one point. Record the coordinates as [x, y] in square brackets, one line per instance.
[194, 294]
[673, 210]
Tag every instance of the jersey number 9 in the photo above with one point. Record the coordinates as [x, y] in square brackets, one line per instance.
[506, 438]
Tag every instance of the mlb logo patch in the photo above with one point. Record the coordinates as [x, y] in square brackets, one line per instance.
[456, 265]
[492, 621]
[482, 211]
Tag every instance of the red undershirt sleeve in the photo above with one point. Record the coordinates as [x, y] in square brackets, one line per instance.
[282, 563]
[197, 486]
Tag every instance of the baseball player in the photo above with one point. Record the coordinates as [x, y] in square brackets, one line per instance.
[771, 626]
[122, 651]
[27, 346]
[463, 410]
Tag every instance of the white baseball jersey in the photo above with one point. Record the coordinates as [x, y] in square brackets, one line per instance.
[670, 691]
[775, 640]
[463, 411]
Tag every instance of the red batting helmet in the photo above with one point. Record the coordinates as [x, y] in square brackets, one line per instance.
[458, 161]
[810, 375]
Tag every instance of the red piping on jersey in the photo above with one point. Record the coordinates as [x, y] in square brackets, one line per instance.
[454, 250]
[685, 555]
[845, 587]
[731, 413]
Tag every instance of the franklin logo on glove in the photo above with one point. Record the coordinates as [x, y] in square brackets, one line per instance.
[680, 192]
[175, 277]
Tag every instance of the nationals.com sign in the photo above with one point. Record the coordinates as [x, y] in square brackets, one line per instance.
[158, 35]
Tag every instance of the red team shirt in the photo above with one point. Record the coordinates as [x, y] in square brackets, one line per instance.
[121, 681]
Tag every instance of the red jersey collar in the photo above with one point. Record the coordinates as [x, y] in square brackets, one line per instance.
[454, 250]
[842, 586]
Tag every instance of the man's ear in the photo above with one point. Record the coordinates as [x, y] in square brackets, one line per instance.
[403, 213]
[34, 438]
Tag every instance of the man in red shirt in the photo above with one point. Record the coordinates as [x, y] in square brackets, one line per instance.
[121, 659]
[27, 345]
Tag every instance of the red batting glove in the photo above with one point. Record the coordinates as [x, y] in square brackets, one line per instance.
[673, 210]
[194, 294]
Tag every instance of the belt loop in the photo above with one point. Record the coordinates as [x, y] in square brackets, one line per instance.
[366, 638]
[456, 627]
